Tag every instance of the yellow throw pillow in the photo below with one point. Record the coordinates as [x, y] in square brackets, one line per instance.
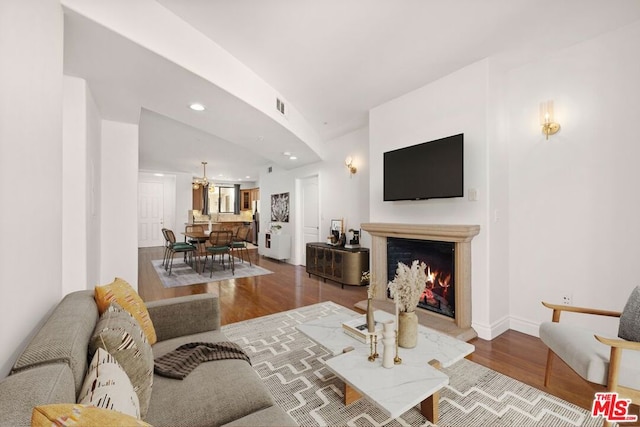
[74, 414]
[121, 292]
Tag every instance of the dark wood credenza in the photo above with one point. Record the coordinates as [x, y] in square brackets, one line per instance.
[339, 264]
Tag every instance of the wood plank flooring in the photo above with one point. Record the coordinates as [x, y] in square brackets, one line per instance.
[517, 355]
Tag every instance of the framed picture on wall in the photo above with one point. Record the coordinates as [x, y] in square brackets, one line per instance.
[280, 207]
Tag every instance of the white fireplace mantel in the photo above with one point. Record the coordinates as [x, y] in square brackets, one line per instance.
[461, 235]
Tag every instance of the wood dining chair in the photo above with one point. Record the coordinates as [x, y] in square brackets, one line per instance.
[239, 243]
[220, 243]
[178, 247]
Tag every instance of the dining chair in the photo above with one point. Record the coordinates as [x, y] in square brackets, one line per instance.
[612, 362]
[239, 243]
[220, 244]
[167, 244]
[193, 229]
[178, 247]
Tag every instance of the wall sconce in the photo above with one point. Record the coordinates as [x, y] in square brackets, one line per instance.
[349, 162]
[549, 127]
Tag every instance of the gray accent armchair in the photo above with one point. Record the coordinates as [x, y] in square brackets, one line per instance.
[612, 362]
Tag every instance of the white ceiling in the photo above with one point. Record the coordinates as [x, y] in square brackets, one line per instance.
[333, 59]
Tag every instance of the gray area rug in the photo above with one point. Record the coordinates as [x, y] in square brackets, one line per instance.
[183, 274]
[291, 366]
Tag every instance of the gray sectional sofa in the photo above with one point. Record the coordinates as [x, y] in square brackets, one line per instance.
[52, 367]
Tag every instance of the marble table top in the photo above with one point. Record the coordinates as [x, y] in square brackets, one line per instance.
[394, 390]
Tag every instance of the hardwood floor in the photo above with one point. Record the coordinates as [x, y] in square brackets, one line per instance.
[517, 355]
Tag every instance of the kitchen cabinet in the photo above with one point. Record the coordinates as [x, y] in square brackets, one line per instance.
[197, 201]
[339, 264]
[247, 197]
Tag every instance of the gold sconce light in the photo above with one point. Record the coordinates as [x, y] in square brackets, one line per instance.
[349, 163]
[549, 127]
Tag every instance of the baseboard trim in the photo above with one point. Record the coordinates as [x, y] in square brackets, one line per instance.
[525, 326]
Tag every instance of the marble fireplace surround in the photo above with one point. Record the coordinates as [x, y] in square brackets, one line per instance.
[461, 236]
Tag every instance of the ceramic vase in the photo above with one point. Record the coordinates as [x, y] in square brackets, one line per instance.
[407, 329]
[371, 324]
[388, 343]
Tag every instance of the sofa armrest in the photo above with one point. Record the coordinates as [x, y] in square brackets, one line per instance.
[187, 315]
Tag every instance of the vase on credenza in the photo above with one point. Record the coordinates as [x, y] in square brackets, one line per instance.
[407, 329]
[371, 324]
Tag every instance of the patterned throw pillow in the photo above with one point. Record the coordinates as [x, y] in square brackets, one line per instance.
[74, 415]
[121, 335]
[107, 386]
[121, 292]
[629, 328]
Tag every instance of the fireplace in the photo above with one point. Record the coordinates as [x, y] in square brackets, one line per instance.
[438, 295]
[453, 315]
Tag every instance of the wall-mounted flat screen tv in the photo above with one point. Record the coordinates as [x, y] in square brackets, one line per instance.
[429, 170]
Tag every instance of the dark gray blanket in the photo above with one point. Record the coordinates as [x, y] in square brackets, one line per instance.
[184, 359]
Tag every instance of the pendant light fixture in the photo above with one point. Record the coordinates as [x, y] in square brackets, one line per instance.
[197, 182]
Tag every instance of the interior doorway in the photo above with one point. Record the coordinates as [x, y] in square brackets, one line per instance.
[310, 218]
[150, 214]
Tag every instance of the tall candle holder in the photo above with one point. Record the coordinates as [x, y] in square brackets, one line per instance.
[396, 359]
[373, 348]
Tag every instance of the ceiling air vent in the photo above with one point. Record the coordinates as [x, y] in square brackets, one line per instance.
[280, 105]
[270, 169]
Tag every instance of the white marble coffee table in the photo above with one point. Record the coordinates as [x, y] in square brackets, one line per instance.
[396, 390]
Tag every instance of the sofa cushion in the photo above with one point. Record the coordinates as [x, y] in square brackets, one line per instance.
[121, 336]
[271, 416]
[75, 414]
[629, 328]
[214, 393]
[121, 292]
[107, 386]
[63, 337]
[39, 385]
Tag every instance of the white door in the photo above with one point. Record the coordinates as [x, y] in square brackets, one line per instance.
[310, 214]
[150, 214]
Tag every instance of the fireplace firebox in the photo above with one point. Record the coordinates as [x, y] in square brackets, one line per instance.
[439, 290]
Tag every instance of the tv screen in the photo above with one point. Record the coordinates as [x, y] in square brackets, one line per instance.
[429, 170]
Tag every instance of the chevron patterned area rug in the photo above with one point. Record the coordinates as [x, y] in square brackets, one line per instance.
[291, 366]
[182, 274]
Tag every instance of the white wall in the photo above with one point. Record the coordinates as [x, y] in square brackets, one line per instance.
[572, 199]
[74, 184]
[31, 35]
[341, 196]
[119, 202]
[557, 217]
[93, 195]
[457, 103]
[184, 196]
[80, 189]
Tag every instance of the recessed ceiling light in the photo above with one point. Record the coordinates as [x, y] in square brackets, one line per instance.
[286, 153]
[196, 106]
[293, 158]
[247, 177]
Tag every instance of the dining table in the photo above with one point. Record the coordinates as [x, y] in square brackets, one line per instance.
[201, 237]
